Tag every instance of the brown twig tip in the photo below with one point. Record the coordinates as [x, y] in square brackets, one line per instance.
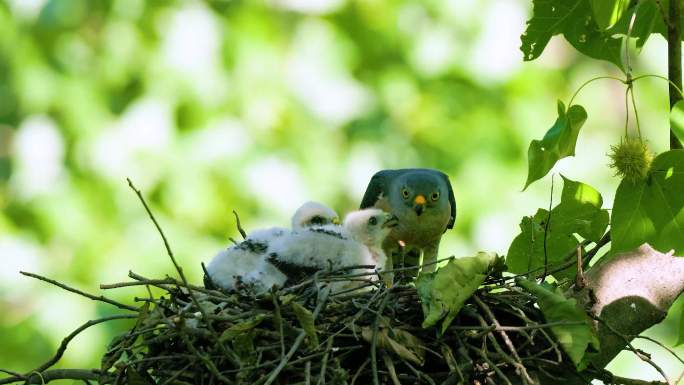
[239, 225]
[100, 298]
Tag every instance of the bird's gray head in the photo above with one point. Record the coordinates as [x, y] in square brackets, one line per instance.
[314, 214]
[421, 192]
[370, 226]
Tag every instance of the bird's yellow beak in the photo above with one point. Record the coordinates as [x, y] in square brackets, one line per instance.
[336, 221]
[419, 204]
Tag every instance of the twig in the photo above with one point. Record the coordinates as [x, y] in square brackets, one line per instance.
[239, 225]
[274, 374]
[491, 364]
[278, 315]
[592, 253]
[631, 347]
[374, 339]
[390, 368]
[672, 352]
[523, 372]
[54, 374]
[79, 292]
[230, 354]
[307, 373]
[359, 370]
[324, 362]
[62, 348]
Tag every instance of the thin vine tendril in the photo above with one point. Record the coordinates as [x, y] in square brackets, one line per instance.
[590, 81]
[626, 111]
[636, 112]
[663, 78]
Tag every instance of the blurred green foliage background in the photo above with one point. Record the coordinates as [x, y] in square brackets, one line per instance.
[259, 106]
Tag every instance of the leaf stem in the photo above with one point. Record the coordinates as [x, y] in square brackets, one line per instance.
[636, 112]
[591, 81]
[678, 89]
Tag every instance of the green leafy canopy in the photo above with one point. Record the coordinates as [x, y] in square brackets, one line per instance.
[593, 27]
[574, 19]
[579, 212]
[652, 210]
[442, 293]
[558, 142]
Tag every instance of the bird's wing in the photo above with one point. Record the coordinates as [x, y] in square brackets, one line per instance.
[452, 200]
[376, 186]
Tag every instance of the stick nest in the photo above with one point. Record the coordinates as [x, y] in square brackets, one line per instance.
[310, 334]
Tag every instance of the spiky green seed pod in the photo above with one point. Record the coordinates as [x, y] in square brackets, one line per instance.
[631, 159]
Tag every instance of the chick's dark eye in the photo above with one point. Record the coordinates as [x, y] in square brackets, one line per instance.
[373, 221]
[317, 220]
[405, 193]
[434, 196]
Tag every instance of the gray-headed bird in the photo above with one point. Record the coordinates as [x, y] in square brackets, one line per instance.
[423, 201]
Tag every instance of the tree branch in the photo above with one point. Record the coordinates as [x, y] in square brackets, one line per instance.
[54, 374]
[674, 59]
[87, 295]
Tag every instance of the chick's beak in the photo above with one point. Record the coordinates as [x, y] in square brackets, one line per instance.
[419, 204]
[392, 221]
[336, 221]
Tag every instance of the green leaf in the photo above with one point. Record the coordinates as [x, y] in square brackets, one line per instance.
[442, 293]
[608, 12]
[652, 210]
[677, 120]
[243, 345]
[134, 377]
[240, 328]
[644, 22]
[558, 142]
[573, 338]
[401, 343]
[579, 212]
[306, 321]
[575, 20]
[680, 339]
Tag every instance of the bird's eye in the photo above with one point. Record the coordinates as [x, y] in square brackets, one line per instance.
[434, 196]
[405, 193]
[373, 221]
[317, 220]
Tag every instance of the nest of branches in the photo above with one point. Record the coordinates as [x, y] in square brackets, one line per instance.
[311, 334]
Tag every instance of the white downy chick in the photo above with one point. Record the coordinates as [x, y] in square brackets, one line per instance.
[309, 214]
[246, 264]
[357, 242]
[314, 214]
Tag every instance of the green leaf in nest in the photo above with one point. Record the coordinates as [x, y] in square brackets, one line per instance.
[306, 320]
[397, 341]
[651, 210]
[574, 337]
[573, 19]
[235, 330]
[558, 142]
[133, 377]
[579, 212]
[442, 293]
